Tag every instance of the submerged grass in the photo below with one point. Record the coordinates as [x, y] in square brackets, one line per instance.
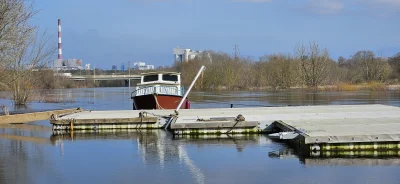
[347, 87]
[45, 97]
[372, 86]
[375, 86]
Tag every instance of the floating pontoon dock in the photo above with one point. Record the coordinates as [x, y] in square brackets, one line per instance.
[34, 116]
[318, 128]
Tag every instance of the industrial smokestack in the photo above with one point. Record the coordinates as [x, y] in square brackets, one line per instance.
[59, 40]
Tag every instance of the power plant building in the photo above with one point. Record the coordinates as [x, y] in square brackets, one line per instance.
[185, 55]
[69, 64]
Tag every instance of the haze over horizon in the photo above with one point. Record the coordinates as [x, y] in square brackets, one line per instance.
[105, 33]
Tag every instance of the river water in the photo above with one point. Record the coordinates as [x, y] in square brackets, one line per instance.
[32, 154]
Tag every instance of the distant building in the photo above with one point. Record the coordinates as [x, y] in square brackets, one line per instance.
[87, 66]
[69, 64]
[142, 66]
[63, 74]
[184, 55]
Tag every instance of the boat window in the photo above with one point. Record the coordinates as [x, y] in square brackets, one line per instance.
[169, 77]
[150, 78]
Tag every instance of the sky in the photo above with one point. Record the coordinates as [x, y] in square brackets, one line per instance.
[105, 33]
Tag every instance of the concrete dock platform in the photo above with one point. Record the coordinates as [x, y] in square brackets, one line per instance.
[319, 128]
[126, 119]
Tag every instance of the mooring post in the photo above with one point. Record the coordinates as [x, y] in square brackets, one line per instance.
[71, 125]
[231, 105]
[129, 84]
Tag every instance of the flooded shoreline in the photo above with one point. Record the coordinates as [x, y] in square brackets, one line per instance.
[33, 153]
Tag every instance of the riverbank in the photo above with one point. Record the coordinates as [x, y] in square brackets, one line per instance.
[358, 87]
[337, 87]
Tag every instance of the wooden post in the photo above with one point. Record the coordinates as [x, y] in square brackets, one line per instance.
[72, 125]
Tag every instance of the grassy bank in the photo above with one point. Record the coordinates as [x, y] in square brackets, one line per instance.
[338, 87]
[371, 86]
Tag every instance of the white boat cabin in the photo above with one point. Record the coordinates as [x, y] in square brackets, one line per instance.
[164, 83]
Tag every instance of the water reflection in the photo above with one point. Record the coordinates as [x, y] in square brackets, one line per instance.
[30, 127]
[31, 139]
[22, 146]
[161, 147]
[341, 158]
[352, 161]
[237, 140]
[158, 143]
[154, 146]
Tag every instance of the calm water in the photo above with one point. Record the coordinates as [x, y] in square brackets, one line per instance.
[32, 154]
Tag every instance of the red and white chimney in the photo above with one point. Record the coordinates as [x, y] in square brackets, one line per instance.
[59, 40]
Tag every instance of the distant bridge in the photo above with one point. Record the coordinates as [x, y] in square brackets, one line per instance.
[103, 77]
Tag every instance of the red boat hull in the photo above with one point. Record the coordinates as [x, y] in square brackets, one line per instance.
[159, 102]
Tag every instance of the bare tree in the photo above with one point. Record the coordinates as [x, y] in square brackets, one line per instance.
[23, 49]
[28, 58]
[281, 71]
[395, 65]
[14, 25]
[370, 68]
[314, 63]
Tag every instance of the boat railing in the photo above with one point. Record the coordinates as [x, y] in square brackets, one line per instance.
[166, 90]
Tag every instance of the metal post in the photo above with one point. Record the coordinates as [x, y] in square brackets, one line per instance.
[129, 78]
[129, 85]
[129, 68]
[94, 75]
[190, 87]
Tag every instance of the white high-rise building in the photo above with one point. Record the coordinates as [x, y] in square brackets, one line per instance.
[142, 66]
[87, 66]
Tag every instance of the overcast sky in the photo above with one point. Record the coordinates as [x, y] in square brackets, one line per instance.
[108, 33]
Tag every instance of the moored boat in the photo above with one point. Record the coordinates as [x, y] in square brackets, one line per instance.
[159, 90]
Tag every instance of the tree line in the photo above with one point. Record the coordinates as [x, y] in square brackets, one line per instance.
[308, 66]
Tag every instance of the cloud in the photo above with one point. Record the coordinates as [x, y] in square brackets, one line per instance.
[388, 5]
[325, 6]
[383, 2]
[383, 8]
